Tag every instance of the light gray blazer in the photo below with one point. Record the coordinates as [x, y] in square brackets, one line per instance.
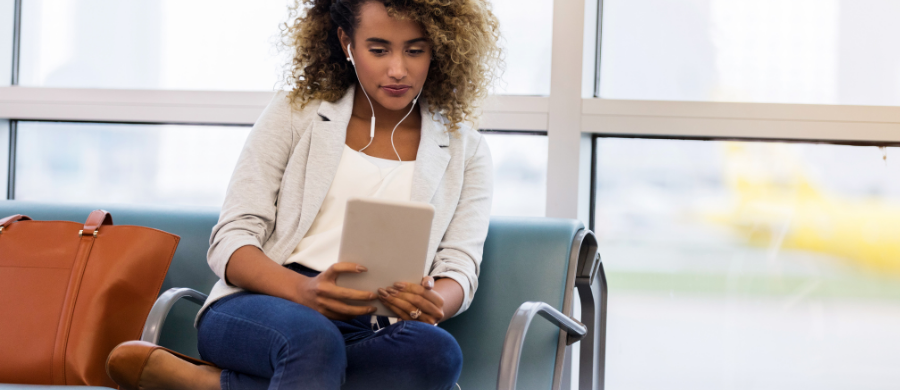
[286, 169]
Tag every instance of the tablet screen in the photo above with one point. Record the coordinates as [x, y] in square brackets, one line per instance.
[388, 237]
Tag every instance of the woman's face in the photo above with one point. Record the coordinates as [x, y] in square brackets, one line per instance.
[392, 56]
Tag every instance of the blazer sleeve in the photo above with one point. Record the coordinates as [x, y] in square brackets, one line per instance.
[248, 213]
[459, 253]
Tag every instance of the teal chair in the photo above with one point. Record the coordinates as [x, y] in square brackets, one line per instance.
[532, 268]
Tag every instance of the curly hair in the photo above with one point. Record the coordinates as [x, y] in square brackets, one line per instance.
[464, 36]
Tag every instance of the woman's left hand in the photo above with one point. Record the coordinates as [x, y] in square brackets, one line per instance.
[405, 299]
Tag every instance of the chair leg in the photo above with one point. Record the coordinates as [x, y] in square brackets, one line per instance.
[592, 365]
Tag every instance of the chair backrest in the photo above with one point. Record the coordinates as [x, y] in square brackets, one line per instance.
[525, 259]
[188, 267]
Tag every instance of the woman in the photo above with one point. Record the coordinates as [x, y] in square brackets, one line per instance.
[381, 93]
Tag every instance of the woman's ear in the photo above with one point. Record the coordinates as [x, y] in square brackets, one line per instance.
[345, 40]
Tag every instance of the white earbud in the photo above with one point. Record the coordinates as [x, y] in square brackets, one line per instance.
[350, 58]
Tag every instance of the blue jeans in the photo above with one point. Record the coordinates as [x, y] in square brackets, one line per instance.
[264, 342]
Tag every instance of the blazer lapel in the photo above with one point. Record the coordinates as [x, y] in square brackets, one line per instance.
[327, 140]
[432, 157]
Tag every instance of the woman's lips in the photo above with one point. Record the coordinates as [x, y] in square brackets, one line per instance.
[395, 90]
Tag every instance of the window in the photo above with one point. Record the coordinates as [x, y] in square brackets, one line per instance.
[191, 165]
[749, 264]
[520, 173]
[169, 44]
[152, 44]
[122, 163]
[766, 51]
[527, 33]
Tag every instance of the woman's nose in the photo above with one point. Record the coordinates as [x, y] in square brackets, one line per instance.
[397, 67]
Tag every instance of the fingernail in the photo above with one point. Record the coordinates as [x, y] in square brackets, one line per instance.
[382, 292]
[392, 291]
[400, 285]
[361, 268]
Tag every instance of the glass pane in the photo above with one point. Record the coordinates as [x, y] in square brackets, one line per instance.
[527, 30]
[4, 157]
[191, 165]
[520, 174]
[150, 164]
[768, 51]
[168, 44]
[750, 265]
[7, 13]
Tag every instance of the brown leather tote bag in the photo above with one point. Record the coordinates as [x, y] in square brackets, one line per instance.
[71, 292]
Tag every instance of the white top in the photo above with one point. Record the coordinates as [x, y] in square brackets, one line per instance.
[357, 174]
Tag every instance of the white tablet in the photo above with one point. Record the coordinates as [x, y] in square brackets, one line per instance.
[388, 237]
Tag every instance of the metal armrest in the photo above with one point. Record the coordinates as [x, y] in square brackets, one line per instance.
[161, 309]
[515, 337]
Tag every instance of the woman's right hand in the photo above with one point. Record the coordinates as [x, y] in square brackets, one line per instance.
[324, 296]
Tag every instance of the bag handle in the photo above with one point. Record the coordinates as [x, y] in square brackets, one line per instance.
[5, 222]
[94, 221]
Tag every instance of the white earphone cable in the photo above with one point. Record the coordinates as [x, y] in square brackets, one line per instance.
[372, 122]
[401, 121]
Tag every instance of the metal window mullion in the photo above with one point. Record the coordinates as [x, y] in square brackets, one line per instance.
[592, 221]
[17, 38]
[11, 170]
[598, 49]
[14, 124]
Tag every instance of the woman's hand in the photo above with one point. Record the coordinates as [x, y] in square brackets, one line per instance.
[405, 298]
[322, 294]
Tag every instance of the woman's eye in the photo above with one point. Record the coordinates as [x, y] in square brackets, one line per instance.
[416, 52]
[377, 51]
